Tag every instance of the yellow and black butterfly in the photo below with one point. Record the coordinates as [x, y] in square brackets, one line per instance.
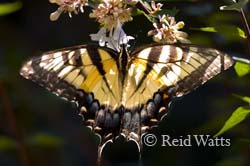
[124, 92]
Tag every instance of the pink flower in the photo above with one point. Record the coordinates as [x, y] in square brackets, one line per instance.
[67, 6]
[167, 31]
[108, 12]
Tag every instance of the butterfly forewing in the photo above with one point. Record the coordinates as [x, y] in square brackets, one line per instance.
[74, 69]
[181, 69]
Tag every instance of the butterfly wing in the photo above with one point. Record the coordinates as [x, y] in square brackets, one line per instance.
[158, 73]
[86, 75]
[183, 68]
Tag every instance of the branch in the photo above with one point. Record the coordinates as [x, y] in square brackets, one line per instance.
[246, 27]
[13, 128]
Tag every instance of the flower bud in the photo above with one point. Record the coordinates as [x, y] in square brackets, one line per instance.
[55, 15]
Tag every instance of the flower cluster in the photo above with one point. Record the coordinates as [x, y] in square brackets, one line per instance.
[67, 6]
[167, 31]
[112, 14]
[108, 12]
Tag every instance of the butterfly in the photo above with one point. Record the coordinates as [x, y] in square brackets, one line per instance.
[126, 92]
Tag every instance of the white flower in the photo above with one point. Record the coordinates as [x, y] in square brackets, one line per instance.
[100, 36]
[116, 37]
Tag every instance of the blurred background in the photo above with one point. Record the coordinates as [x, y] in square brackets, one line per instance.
[38, 128]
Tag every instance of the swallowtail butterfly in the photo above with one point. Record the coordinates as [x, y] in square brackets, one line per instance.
[124, 93]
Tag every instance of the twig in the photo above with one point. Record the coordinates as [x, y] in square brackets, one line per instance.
[243, 60]
[13, 128]
[246, 27]
[142, 7]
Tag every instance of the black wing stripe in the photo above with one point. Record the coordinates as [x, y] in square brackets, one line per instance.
[170, 69]
[165, 69]
[153, 54]
[97, 61]
[208, 61]
[77, 58]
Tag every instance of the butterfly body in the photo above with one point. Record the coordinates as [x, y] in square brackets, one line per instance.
[121, 92]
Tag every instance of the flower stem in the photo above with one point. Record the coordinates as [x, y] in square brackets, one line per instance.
[143, 7]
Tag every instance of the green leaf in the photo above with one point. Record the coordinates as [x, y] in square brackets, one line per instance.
[6, 143]
[236, 6]
[45, 140]
[230, 31]
[242, 69]
[241, 33]
[201, 39]
[238, 116]
[243, 98]
[147, 5]
[7, 8]
[150, 18]
[206, 29]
